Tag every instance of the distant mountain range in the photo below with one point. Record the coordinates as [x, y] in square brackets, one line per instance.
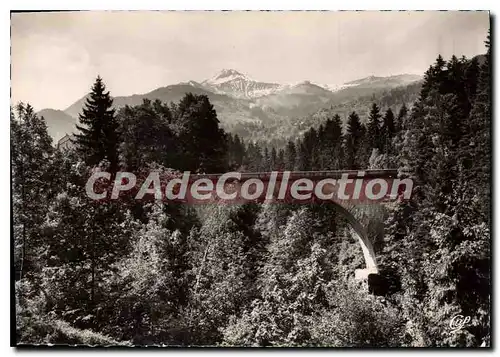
[240, 99]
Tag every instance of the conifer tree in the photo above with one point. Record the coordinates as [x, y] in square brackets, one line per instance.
[98, 128]
[274, 158]
[388, 132]
[238, 151]
[281, 160]
[402, 115]
[332, 155]
[253, 159]
[307, 156]
[31, 149]
[353, 139]
[303, 157]
[373, 127]
[266, 160]
[290, 156]
[471, 78]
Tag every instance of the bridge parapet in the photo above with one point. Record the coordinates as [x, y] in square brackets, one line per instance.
[343, 187]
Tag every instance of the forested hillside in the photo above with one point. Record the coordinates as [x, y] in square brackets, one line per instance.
[276, 133]
[128, 272]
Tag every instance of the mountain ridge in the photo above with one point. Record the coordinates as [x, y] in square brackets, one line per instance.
[239, 98]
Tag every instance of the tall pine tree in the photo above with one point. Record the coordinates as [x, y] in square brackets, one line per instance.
[98, 128]
[353, 139]
[388, 132]
[373, 127]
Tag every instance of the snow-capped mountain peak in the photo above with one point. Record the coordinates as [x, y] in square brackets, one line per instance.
[229, 72]
[226, 75]
[236, 84]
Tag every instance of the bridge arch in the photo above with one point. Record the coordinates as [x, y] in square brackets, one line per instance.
[364, 241]
[346, 205]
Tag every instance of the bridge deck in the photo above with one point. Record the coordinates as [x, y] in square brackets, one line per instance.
[383, 173]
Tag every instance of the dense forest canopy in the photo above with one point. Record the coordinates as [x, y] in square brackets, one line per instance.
[257, 274]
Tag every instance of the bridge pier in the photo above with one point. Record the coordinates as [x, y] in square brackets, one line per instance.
[367, 225]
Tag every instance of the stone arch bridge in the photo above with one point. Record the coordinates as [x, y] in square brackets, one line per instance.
[357, 195]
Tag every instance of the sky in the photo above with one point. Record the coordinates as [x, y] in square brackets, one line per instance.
[56, 56]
